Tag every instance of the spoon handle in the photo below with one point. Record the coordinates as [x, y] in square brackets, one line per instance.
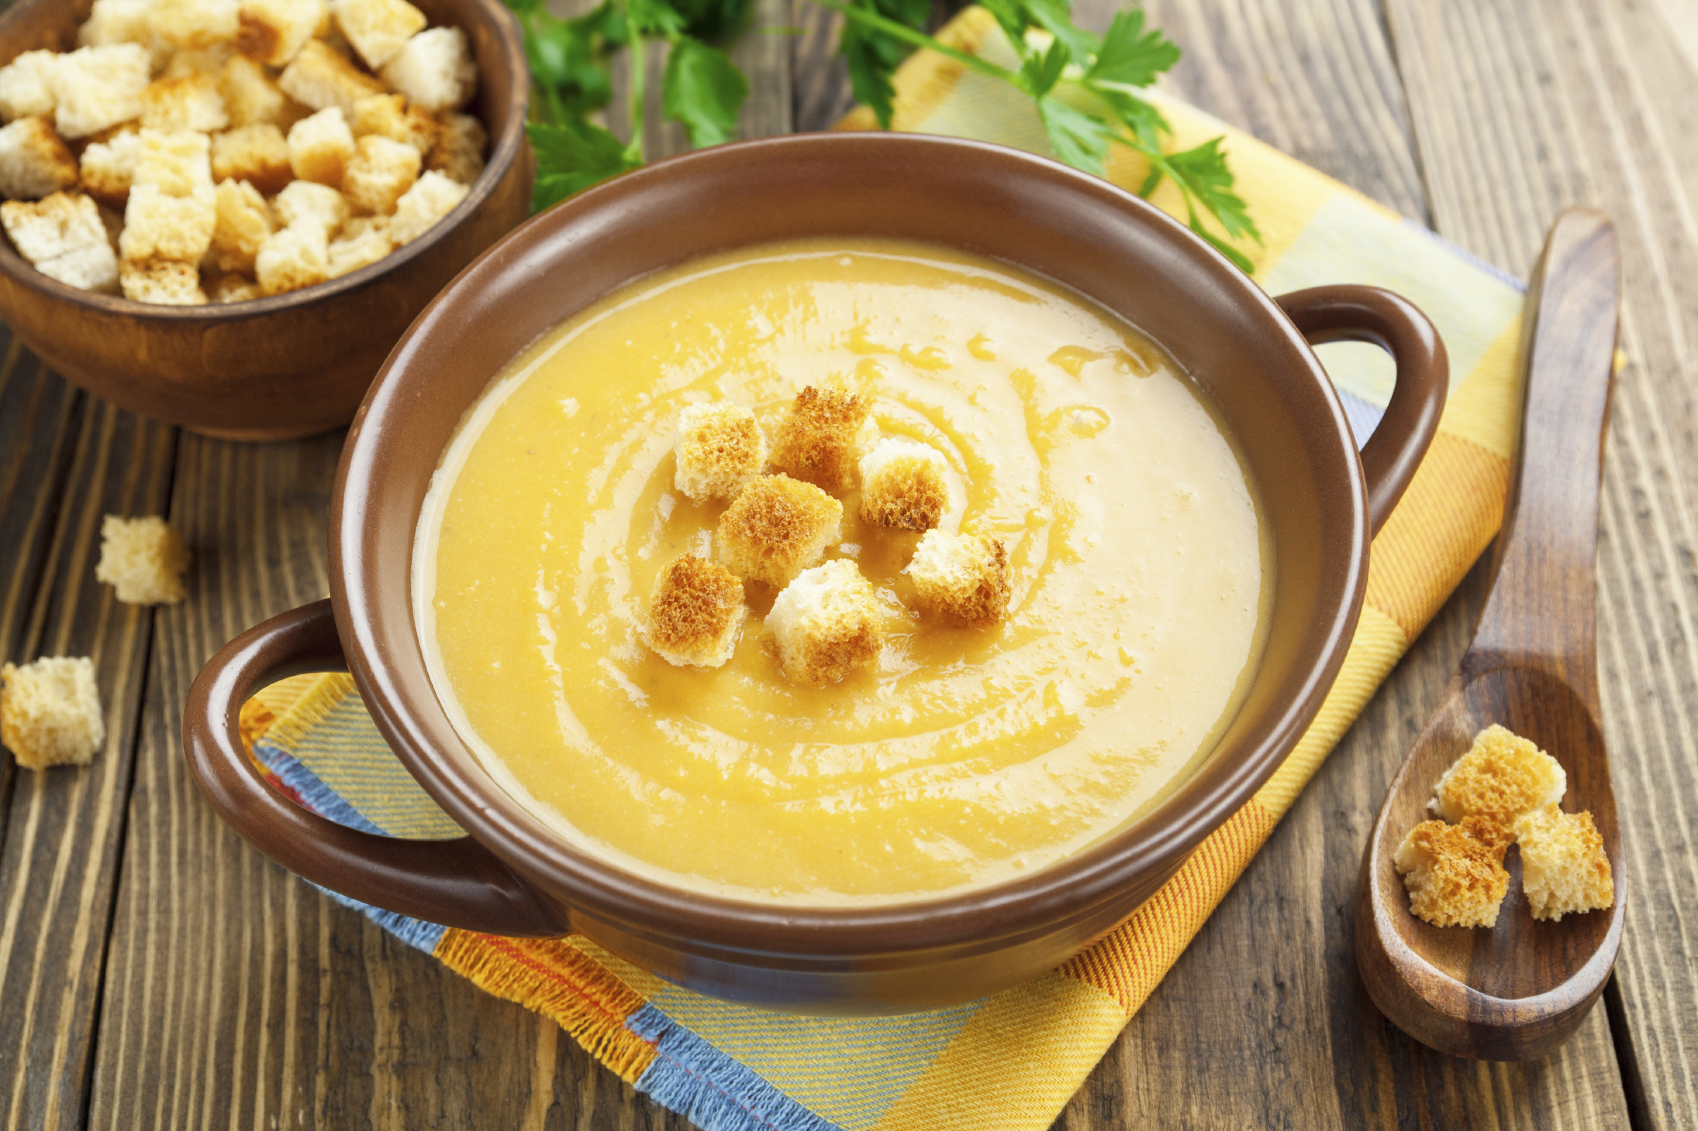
[1541, 611]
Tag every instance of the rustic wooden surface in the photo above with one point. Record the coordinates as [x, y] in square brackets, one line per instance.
[155, 972]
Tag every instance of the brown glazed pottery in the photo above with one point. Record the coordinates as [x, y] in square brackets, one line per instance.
[511, 874]
[293, 364]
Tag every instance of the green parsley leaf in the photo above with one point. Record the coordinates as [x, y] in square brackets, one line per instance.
[1131, 56]
[702, 89]
[1043, 71]
[654, 17]
[1204, 174]
[571, 156]
[1142, 120]
[873, 55]
[1080, 139]
[1238, 258]
[564, 65]
[1011, 16]
[714, 19]
[1054, 17]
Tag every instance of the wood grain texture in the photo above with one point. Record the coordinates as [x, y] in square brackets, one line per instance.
[1591, 103]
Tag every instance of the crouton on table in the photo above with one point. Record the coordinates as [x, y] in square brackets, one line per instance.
[143, 559]
[50, 712]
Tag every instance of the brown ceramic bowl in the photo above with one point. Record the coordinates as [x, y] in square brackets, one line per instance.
[511, 874]
[294, 364]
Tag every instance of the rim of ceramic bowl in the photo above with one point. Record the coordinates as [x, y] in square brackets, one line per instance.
[504, 150]
[988, 917]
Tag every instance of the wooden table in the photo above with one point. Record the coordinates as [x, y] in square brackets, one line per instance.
[155, 972]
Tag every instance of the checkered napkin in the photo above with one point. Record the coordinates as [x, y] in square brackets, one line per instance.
[1013, 1060]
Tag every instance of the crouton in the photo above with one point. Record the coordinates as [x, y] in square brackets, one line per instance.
[257, 154]
[458, 152]
[695, 613]
[189, 102]
[164, 282]
[822, 438]
[274, 31]
[1454, 873]
[50, 712]
[98, 87]
[199, 61]
[26, 86]
[251, 97]
[359, 249]
[143, 559]
[320, 146]
[33, 161]
[160, 226]
[378, 29]
[1563, 865]
[193, 23]
[434, 69]
[903, 485]
[720, 448]
[962, 578]
[432, 197]
[304, 200]
[296, 257]
[320, 78]
[64, 238]
[176, 162]
[116, 21]
[244, 222]
[775, 528]
[108, 167]
[379, 172]
[827, 624]
[232, 288]
[390, 116]
[1502, 777]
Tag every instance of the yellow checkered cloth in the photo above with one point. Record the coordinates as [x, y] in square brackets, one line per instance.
[1011, 1061]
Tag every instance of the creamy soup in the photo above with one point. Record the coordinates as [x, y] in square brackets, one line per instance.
[1140, 576]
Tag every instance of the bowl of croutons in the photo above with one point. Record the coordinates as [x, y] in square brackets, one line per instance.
[224, 213]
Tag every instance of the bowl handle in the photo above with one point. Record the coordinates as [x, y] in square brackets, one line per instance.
[459, 883]
[1352, 313]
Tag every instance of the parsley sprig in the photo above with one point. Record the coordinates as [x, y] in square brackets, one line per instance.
[1086, 88]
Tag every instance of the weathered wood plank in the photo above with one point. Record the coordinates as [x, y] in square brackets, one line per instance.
[1594, 102]
[62, 831]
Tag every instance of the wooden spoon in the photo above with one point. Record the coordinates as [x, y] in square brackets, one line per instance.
[1518, 990]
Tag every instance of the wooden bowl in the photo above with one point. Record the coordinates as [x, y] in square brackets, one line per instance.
[294, 364]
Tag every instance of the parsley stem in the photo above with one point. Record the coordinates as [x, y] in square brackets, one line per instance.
[920, 39]
[639, 71]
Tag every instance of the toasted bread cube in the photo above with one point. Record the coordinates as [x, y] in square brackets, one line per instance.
[116, 21]
[50, 712]
[320, 78]
[95, 88]
[274, 31]
[165, 282]
[296, 257]
[232, 288]
[1502, 777]
[33, 161]
[379, 173]
[903, 485]
[775, 528]
[1454, 874]
[257, 154]
[193, 23]
[823, 437]
[26, 86]
[109, 167]
[305, 200]
[360, 248]
[827, 623]
[434, 70]
[378, 29]
[962, 578]
[458, 152]
[695, 613]
[199, 61]
[177, 162]
[1564, 868]
[432, 197]
[64, 238]
[189, 102]
[244, 222]
[143, 559]
[390, 116]
[320, 146]
[251, 97]
[720, 449]
[160, 226]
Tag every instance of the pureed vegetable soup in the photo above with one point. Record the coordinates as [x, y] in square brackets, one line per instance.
[1140, 576]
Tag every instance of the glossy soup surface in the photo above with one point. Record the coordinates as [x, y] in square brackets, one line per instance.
[970, 755]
